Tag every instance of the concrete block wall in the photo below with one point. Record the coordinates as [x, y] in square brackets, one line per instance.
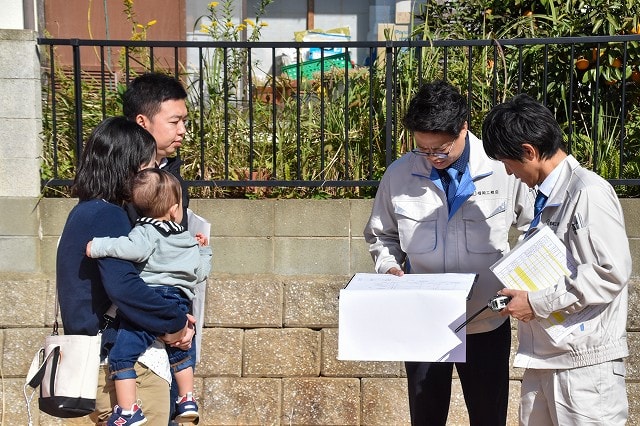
[20, 150]
[269, 346]
[21, 114]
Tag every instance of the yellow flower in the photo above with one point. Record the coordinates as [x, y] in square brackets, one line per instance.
[152, 22]
[229, 24]
[250, 22]
[128, 2]
[212, 4]
[204, 28]
[242, 27]
[139, 25]
[264, 24]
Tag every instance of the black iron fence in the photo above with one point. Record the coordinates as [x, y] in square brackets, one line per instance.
[267, 117]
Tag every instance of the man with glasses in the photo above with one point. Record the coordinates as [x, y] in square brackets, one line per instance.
[446, 207]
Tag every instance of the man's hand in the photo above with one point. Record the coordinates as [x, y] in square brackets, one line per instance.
[202, 240]
[395, 271]
[519, 306]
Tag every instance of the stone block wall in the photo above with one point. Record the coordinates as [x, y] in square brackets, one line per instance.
[269, 346]
[21, 114]
[269, 356]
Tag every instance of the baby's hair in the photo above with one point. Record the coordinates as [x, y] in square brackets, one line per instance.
[154, 191]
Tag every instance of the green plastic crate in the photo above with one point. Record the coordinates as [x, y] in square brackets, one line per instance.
[308, 68]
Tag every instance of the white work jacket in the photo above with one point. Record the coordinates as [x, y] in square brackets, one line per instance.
[585, 213]
[411, 227]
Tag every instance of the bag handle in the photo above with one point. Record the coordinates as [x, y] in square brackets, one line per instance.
[36, 372]
[37, 368]
[56, 311]
[35, 376]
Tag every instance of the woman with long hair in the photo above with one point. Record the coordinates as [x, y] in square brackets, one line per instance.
[87, 288]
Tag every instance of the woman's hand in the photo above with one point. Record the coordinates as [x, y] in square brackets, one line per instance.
[182, 339]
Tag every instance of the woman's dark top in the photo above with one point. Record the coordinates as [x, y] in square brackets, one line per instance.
[87, 287]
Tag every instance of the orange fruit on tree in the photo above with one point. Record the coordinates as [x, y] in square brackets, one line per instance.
[594, 54]
[616, 63]
[582, 63]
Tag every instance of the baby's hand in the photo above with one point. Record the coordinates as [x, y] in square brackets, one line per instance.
[88, 250]
[202, 240]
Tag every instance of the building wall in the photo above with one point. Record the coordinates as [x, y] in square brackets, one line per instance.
[88, 20]
[284, 17]
[12, 16]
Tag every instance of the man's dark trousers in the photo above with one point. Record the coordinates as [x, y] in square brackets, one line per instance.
[484, 378]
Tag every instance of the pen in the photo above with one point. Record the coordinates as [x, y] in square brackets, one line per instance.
[577, 223]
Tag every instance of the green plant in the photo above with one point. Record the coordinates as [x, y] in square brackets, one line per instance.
[60, 147]
[226, 69]
[331, 127]
[138, 33]
[586, 99]
[97, 102]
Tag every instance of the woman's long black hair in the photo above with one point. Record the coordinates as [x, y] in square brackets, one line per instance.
[115, 151]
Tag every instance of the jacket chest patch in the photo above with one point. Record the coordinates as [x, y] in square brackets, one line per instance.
[481, 192]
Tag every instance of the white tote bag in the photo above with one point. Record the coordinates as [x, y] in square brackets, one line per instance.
[66, 369]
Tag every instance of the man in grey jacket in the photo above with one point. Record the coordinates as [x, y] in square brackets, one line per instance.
[447, 207]
[579, 379]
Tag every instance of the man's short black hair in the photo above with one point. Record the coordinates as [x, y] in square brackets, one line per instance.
[147, 92]
[436, 107]
[521, 120]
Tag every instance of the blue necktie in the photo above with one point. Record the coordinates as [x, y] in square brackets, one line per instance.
[453, 184]
[537, 208]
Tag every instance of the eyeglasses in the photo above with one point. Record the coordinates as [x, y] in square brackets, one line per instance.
[437, 155]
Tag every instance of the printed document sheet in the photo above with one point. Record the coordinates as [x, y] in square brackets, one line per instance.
[537, 263]
[383, 317]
